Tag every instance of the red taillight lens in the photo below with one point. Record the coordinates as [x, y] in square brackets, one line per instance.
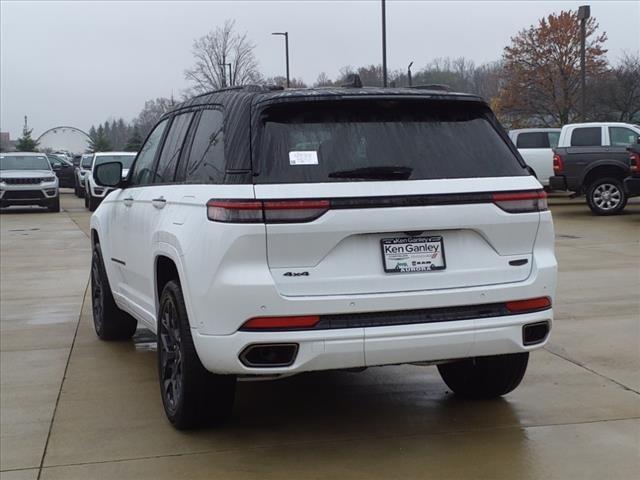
[558, 164]
[634, 162]
[270, 323]
[521, 202]
[269, 211]
[529, 305]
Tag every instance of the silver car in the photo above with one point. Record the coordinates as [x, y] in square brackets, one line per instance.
[26, 178]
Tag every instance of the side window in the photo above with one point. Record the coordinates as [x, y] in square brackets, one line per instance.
[586, 137]
[172, 147]
[143, 167]
[206, 163]
[533, 140]
[554, 138]
[622, 137]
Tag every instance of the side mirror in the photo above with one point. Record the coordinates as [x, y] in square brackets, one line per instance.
[108, 174]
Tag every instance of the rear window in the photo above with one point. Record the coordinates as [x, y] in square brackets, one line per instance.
[359, 140]
[586, 137]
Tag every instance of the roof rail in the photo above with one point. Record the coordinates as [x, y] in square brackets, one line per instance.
[432, 86]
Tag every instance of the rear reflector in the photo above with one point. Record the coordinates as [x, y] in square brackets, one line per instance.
[270, 323]
[521, 202]
[269, 211]
[529, 305]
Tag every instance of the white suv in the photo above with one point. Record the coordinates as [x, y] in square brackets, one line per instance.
[95, 193]
[266, 233]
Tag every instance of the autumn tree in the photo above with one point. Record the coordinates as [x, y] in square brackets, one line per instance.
[542, 70]
[214, 51]
[26, 143]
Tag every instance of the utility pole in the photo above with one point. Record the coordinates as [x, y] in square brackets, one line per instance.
[384, 43]
[286, 51]
[584, 12]
[409, 74]
[25, 129]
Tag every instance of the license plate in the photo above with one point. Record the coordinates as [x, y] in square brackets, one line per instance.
[412, 254]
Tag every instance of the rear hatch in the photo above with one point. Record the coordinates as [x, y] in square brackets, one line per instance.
[379, 195]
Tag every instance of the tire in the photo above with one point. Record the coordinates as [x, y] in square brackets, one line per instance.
[109, 321]
[54, 205]
[87, 195]
[93, 203]
[81, 192]
[192, 396]
[606, 196]
[485, 377]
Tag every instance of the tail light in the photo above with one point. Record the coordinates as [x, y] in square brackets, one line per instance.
[558, 164]
[521, 202]
[274, 323]
[529, 305]
[266, 211]
[634, 162]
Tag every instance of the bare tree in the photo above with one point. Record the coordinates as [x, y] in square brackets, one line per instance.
[214, 52]
[282, 82]
[323, 80]
[151, 113]
[618, 97]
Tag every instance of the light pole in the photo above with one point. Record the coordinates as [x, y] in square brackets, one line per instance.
[286, 48]
[584, 12]
[224, 74]
[409, 73]
[384, 43]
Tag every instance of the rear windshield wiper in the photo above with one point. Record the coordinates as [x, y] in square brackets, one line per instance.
[375, 173]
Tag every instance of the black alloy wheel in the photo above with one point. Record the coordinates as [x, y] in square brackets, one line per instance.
[97, 293]
[170, 355]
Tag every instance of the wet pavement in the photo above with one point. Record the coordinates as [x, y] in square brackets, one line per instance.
[75, 407]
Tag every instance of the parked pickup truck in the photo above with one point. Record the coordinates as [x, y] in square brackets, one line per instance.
[592, 159]
[632, 182]
[536, 148]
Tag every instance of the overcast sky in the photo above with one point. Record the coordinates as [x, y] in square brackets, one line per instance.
[80, 63]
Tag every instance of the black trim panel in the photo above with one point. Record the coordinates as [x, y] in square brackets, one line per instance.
[118, 261]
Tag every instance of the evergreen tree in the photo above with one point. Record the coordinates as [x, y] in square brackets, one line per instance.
[26, 143]
[100, 142]
[135, 141]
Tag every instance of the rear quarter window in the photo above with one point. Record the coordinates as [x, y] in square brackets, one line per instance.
[359, 140]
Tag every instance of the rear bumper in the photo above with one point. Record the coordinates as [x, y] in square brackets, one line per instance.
[632, 185]
[363, 347]
[557, 182]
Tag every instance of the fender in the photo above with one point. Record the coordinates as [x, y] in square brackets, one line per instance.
[604, 162]
[173, 252]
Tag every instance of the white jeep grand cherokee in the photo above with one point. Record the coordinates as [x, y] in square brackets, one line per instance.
[264, 232]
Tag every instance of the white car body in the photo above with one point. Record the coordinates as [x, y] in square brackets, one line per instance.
[331, 267]
[83, 168]
[538, 155]
[91, 188]
[27, 186]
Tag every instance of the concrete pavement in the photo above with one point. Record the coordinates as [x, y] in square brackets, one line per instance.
[75, 407]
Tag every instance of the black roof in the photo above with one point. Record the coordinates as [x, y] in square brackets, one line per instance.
[259, 93]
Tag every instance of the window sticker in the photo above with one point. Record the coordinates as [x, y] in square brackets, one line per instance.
[303, 158]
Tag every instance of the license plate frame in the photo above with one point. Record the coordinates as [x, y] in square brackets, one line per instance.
[419, 261]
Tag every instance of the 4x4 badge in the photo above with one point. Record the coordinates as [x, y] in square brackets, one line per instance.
[296, 274]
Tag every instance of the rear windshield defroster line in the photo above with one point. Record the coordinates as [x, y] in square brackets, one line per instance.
[380, 139]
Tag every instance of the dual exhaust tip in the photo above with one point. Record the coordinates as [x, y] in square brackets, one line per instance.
[271, 355]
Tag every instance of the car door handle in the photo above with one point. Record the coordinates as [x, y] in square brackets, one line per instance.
[159, 202]
[128, 201]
